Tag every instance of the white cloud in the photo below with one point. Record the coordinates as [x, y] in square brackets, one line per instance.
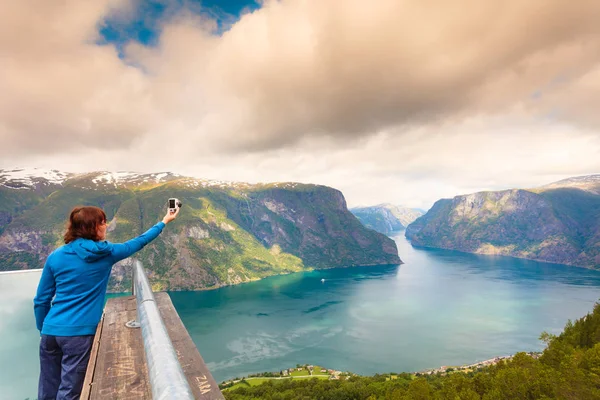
[390, 101]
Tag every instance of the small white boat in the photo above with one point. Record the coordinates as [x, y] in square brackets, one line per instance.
[322, 280]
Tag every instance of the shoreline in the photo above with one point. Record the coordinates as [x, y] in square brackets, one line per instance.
[479, 364]
[226, 384]
[257, 279]
[424, 247]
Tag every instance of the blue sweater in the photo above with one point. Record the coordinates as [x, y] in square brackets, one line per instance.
[76, 275]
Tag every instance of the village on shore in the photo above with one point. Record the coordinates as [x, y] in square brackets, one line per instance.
[471, 367]
[300, 371]
[315, 371]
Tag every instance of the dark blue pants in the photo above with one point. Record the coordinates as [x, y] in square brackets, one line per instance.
[63, 362]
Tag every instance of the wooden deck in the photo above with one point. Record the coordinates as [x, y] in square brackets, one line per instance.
[117, 367]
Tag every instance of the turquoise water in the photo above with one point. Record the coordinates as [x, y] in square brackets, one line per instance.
[19, 364]
[439, 308]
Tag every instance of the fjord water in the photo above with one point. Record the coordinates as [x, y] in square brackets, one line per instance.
[19, 344]
[20, 340]
[439, 308]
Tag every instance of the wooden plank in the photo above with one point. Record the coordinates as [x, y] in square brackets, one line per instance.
[121, 371]
[117, 367]
[89, 375]
[199, 377]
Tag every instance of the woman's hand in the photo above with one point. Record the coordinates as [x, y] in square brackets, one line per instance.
[171, 215]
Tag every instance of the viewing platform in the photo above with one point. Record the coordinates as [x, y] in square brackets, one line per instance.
[137, 362]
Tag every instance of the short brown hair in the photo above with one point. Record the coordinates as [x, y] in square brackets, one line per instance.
[83, 223]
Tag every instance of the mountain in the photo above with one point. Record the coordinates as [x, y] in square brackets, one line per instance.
[588, 183]
[558, 223]
[227, 233]
[386, 218]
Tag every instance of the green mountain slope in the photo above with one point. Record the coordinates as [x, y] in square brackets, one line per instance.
[557, 223]
[386, 218]
[225, 234]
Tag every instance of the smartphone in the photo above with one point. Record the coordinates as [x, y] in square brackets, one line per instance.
[173, 205]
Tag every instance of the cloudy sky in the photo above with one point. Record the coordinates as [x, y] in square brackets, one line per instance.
[401, 101]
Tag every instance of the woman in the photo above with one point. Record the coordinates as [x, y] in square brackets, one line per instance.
[75, 276]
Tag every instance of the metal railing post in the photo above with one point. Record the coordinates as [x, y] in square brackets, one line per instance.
[167, 378]
[134, 323]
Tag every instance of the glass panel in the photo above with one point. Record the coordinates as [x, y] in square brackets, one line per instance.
[19, 362]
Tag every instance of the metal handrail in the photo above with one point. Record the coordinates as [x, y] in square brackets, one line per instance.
[166, 375]
[20, 271]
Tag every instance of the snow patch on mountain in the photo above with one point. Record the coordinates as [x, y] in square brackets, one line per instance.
[114, 177]
[26, 178]
[128, 178]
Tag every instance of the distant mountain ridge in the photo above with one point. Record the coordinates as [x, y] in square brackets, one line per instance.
[34, 177]
[386, 218]
[227, 232]
[589, 183]
[558, 222]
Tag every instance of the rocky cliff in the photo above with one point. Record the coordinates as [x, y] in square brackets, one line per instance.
[227, 233]
[386, 218]
[558, 223]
